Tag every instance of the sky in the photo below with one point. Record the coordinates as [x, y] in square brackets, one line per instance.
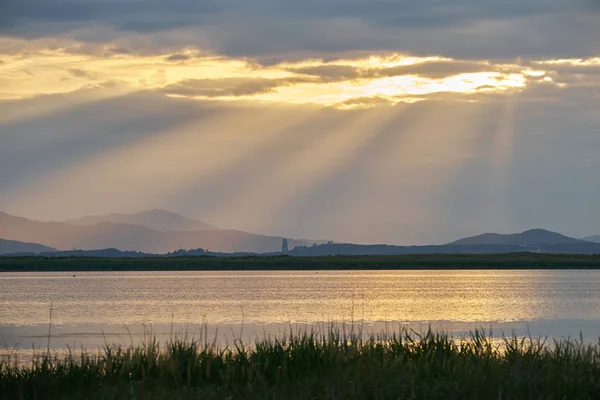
[373, 121]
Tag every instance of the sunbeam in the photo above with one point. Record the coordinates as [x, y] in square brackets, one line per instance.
[396, 179]
[332, 149]
[176, 158]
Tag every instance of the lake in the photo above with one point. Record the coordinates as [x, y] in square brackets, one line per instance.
[93, 308]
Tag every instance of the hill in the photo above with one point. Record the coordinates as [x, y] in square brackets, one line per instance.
[13, 246]
[595, 238]
[159, 220]
[527, 238]
[333, 249]
[106, 235]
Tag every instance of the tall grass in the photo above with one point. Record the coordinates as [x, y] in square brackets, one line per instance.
[313, 365]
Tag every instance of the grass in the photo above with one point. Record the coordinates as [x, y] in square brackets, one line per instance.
[205, 263]
[310, 365]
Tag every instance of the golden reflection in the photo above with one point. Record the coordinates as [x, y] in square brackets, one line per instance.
[304, 297]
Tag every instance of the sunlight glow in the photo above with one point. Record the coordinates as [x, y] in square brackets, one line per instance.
[343, 83]
[572, 61]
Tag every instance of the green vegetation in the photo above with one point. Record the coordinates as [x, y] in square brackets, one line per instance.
[203, 263]
[309, 365]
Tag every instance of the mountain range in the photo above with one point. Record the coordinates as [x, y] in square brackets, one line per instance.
[159, 220]
[164, 232]
[534, 241]
[595, 238]
[13, 247]
[527, 238]
[175, 232]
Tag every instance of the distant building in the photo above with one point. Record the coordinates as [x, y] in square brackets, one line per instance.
[284, 246]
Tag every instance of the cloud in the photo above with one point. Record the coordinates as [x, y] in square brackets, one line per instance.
[179, 57]
[81, 73]
[227, 86]
[330, 72]
[429, 69]
[125, 14]
[436, 69]
[264, 28]
[37, 69]
[158, 15]
[368, 102]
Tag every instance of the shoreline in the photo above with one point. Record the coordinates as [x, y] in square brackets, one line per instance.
[507, 261]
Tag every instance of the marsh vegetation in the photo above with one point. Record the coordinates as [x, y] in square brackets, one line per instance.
[311, 365]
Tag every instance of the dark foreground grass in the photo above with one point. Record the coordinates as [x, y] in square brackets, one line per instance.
[314, 366]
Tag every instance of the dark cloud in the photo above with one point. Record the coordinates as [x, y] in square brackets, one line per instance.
[179, 57]
[227, 86]
[429, 69]
[330, 72]
[81, 73]
[594, 4]
[152, 15]
[366, 102]
[565, 70]
[463, 28]
[434, 70]
[425, 13]
[119, 51]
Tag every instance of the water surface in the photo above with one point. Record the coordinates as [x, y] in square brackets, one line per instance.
[91, 308]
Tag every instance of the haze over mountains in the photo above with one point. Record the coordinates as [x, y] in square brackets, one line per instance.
[162, 232]
[159, 220]
[175, 232]
[595, 238]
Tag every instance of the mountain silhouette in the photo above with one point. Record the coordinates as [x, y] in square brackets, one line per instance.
[159, 220]
[595, 238]
[13, 246]
[530, 237]
[64, 236]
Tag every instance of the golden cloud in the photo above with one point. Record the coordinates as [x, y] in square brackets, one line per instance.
[340, 83]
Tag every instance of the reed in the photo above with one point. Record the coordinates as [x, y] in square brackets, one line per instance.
[307, 364]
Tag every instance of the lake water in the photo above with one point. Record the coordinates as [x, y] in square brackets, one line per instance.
[93, 308]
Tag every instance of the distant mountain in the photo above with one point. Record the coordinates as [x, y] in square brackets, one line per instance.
[159, 220]
[595, 238]
[13, 246]
[105, 235]
[530, 237]
[332, 249]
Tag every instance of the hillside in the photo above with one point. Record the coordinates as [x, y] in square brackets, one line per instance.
[13, 246]
[595, 238]
[104, 235]
[159, 220]
[527, 238]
